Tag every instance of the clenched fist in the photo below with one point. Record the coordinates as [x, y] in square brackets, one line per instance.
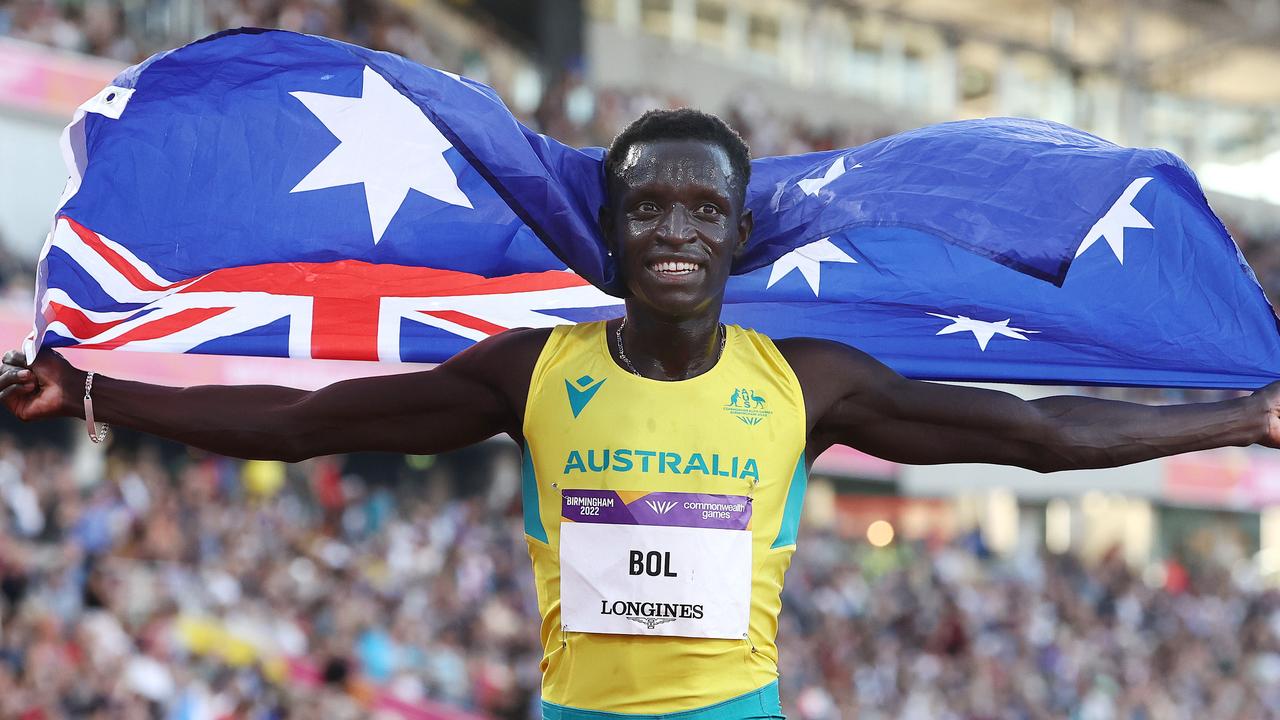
[42, 389]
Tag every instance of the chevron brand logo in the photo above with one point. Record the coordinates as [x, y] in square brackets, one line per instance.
[581, 391]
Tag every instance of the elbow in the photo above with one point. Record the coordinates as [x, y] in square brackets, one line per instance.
[296, 433]
[1057, 450]
[1049, 451]
[275, 449]
[1045, 463]
[295, 447]
[289, 440]
[290, 455]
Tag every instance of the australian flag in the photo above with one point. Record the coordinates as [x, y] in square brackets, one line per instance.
[268, 193]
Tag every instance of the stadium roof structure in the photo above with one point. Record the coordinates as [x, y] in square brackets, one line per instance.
[1192, 76]
[1220, 50]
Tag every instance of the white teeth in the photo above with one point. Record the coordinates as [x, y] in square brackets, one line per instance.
[670, 266]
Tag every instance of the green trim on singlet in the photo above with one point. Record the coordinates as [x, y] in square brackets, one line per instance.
[762, 704]
[791, 510]
[529, 498]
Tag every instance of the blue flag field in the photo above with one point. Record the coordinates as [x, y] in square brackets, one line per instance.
[261, 192]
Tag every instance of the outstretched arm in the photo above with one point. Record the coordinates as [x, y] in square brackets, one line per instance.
[473, 396]
[854, 400]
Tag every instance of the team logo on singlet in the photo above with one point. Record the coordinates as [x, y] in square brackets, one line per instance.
[748, 406]
[581, 391]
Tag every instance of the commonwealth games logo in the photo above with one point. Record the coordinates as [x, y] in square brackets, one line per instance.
[748, 406]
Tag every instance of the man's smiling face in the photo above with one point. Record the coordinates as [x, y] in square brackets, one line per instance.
[675, 223]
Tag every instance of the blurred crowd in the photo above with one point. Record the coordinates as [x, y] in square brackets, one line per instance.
[190, 587]
[194, 587]
[225, 589]
[560, 103]
[129, 32]
[950, 634]
[568, 108]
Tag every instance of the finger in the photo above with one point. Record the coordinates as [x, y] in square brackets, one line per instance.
[13, 376]
[15, 357]
[14, 390]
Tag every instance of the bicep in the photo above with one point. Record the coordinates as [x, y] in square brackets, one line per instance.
[419, 413]
[465, 400]
[925, 443]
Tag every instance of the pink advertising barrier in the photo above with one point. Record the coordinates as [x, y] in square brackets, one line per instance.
[1236, 478]
[37, 79]
[846, 462]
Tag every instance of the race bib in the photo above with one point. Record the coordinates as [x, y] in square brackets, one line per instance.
[658, 563]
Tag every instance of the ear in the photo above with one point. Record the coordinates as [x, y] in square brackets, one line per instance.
[745, 222]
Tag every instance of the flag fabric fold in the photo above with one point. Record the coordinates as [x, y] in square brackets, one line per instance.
[268, 193]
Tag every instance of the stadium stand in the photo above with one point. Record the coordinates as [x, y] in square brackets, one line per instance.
[199, 587]
[187, 587]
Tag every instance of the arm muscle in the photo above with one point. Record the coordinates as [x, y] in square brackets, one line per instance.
[476, 394]
[857, 401]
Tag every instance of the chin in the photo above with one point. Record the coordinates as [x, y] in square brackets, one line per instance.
[675, 305]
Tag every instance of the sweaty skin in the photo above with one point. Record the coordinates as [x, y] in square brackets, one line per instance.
[675, 202]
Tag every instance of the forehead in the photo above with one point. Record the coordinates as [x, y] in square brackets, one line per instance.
[675, 163]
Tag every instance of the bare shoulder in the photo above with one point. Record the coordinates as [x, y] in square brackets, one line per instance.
[513, 344]
[503, 362]
[807, 349]
[830, 372]
[813, 359]
[497, 358]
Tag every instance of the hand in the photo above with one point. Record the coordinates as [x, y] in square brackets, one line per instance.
[42, 389]
[1270, 400]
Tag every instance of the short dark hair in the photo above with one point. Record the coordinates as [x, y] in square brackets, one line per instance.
[683, 124]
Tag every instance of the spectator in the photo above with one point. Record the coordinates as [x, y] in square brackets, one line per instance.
[184, 594]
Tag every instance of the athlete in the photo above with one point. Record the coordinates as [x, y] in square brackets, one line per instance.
[665, 454]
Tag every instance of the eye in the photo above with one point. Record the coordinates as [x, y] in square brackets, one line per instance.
[709, 209]
[646, 207]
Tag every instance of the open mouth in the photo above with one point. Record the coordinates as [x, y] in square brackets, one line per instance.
[674, 269]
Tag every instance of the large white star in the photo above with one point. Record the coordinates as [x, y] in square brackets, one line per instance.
[808, 260]
[982, 330]
[387, 143]
[811, 186]
[1112, 225]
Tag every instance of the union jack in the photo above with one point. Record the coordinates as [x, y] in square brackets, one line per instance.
[346, 309]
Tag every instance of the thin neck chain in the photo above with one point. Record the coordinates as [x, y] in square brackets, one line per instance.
[622, 354]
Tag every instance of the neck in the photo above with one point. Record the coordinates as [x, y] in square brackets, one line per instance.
[666, 348]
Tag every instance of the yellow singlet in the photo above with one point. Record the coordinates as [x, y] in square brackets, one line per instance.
[683, 499]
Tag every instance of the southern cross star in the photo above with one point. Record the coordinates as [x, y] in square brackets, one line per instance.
[811, 186]
[982, 330]
[1111, 226]
[387, 143]
[808, 260]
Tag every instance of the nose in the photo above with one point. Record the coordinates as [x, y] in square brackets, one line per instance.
[675, 227]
